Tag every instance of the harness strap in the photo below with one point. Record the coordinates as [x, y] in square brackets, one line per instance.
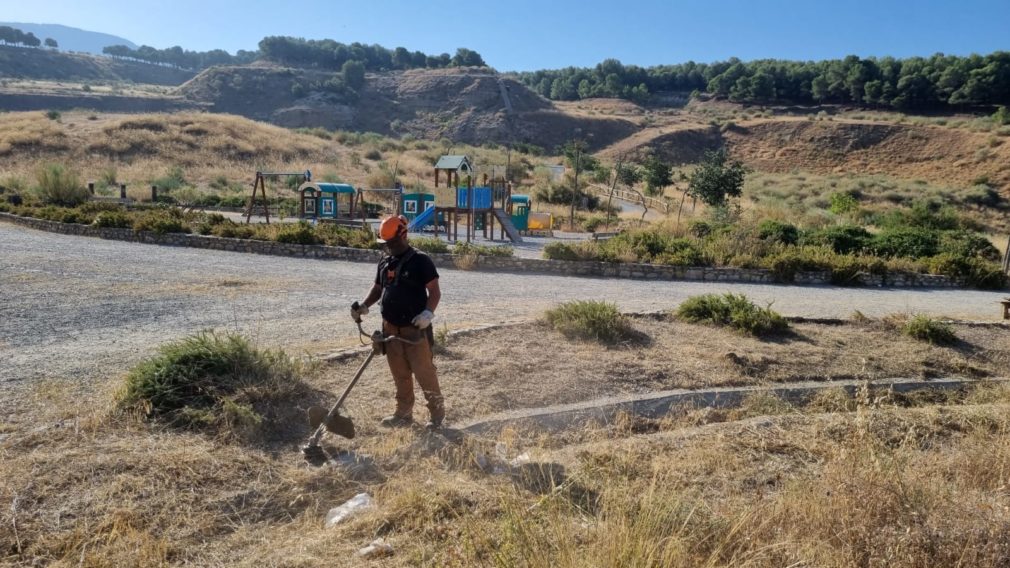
[399, 267]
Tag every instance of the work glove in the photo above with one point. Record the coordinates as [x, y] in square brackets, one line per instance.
[358, 309]
[423, 319]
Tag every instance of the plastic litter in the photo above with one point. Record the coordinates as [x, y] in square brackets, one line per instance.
[378, 549]
[352, 506]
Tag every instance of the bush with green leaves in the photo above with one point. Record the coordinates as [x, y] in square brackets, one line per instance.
[843, 239]
[300, 233]
[931, 330]
[974, 270]
[732, 310]
[907, 242]
[219, 383]
[565, 251]
[590, 319]
[778, 231]
[482, 250]
[161, 221]
[57, 185]
[432, 245]
[113, 220]
[843, 202]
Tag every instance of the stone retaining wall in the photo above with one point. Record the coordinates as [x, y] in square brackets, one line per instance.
[492, 264]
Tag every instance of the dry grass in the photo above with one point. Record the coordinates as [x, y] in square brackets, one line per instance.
[879, 486]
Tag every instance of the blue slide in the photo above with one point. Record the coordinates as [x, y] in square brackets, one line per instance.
[422, 220]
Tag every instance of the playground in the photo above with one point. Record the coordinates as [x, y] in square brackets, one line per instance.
[456, 209]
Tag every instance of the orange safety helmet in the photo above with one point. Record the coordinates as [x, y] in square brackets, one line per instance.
[392, 227]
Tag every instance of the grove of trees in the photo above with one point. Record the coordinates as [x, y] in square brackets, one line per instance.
[330, 54]
[178, 57]
[913, 83]
[14, 36]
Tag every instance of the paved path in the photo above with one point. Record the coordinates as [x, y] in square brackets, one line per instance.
[73, 307]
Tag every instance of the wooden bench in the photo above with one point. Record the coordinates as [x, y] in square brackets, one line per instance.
[1006, 308]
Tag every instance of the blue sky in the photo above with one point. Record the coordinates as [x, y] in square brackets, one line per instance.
[519, 35]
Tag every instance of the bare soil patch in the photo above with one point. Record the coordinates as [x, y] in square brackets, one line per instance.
[530, 365]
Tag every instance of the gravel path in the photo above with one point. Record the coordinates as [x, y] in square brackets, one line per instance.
[76, 308]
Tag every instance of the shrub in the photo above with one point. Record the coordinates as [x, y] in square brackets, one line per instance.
[842, 239]
[58, 186]
[911, 242]
[209, 381]
[732, 310]
[161, 222]
[373, 154]
[983, 196]
[462, 249]
[432, 245]
[777, 231]
[565, 251]
[300, 233]
[590, 319]
[113, 219]
[975, 271]
[232, 230]
[967, 244]
[53, 114]
[843, 202]
[174, 179]
[925, 328]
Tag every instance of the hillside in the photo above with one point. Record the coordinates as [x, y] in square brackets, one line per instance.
[45, 64]
[467, 105]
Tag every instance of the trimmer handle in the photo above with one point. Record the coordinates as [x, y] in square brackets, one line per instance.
[356, 306]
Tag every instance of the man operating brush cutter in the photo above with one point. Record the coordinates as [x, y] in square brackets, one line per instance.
[407, 284]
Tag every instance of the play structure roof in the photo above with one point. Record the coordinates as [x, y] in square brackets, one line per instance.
[454, 163]
[332, 187]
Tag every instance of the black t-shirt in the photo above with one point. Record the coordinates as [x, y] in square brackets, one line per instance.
[404, 299]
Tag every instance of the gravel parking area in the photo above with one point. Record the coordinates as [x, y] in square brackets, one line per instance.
[79, 308]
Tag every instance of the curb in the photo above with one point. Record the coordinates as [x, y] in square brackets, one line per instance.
[658, 404]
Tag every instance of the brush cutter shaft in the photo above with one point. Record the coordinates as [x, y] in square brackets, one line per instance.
[336, 407]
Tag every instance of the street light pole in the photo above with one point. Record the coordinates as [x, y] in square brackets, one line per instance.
[575, 190]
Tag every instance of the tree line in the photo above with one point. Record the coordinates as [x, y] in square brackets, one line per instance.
[330, 54]
[912, 83]
[14, 36]
[179, 57]
[299, 52]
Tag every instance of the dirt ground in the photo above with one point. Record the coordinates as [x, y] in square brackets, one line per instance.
[530, 365]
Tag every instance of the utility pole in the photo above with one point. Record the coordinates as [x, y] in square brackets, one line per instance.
[575, 190]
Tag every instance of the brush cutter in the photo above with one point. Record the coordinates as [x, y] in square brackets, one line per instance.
[321, 420]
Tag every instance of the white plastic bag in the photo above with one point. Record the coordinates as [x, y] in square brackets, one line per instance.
[353, 505]
[378, 549]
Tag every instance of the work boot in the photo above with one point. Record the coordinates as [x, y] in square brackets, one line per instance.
[435, 422]
[395, 421]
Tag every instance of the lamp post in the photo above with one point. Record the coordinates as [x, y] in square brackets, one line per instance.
[575, 190]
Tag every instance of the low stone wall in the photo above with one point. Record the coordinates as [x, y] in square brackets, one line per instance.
[491, 264]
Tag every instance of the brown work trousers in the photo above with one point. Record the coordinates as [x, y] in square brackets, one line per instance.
[405, 359]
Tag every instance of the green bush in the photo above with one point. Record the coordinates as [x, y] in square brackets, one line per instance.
[232, 230]
[975, 271]
[967, 244]
[300, 233]
[432, 245]
[210, 381]
[337, 236]
[908, 242]
[589, 319]
[113, 219]
[925, 328]
[843, 202]
[482, 250]
[779, 232]
[732, 310]
[843, 239]
[174, 179]
[59, 186]
[564, 251]
[161, 221]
